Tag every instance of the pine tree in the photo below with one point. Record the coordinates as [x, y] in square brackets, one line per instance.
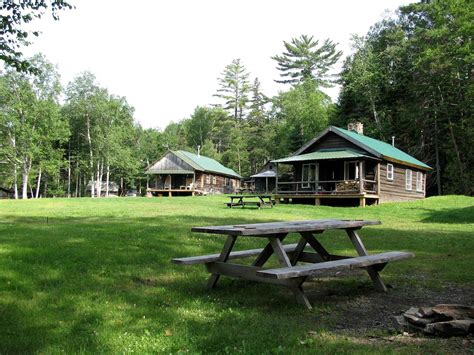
[305, 60]
[234, 89]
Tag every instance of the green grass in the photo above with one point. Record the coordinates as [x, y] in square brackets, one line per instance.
[83, 275]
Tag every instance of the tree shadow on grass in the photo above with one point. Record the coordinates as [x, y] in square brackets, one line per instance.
[81, 284]
[452, 215]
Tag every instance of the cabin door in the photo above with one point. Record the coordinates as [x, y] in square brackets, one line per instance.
[309, 174]
[168, 182]
[351, 170]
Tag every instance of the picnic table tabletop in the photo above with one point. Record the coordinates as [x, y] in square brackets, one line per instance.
[274, 228]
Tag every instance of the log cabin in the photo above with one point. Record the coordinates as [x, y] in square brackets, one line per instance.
[181, 173]
[345, 167]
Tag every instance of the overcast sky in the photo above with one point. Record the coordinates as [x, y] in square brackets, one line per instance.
[165, 56]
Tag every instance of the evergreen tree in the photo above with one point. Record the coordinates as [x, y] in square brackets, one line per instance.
[234, 89]
[305, 60]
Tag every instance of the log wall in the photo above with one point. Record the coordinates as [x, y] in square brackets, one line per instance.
[395, 190]
[215, 184]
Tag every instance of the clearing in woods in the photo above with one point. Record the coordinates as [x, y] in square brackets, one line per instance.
[94, 275]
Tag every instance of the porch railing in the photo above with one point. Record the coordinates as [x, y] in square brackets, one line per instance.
[327, 187]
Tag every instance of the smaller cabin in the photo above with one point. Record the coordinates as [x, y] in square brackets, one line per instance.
[265, 180]
[6, 193]
[182, 173]
[345, 167]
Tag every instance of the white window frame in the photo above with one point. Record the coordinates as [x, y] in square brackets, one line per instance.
[390, 170]
[408, 179]
[226, 181]
[208, 179]
[214, 180]
[419, 181]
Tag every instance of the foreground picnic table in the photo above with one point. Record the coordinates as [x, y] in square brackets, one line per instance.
[317, 262]
[250, 200]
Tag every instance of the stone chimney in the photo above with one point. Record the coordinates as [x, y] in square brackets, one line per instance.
[357, 127]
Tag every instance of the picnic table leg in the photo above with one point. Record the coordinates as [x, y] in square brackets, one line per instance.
[316, 245]
[285, 261]
[266, 252]
[359, 246]
[229, 244]
[299, 249]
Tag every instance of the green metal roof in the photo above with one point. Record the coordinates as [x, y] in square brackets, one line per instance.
[324, 154]
[203, 163]
[385, 150]
[172, 172]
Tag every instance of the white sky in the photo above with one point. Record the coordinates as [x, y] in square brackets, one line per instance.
[165, 56]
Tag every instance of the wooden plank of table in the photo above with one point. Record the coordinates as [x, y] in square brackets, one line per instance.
[245, 272]
[336, 265]
[265, 229]
[203, 259]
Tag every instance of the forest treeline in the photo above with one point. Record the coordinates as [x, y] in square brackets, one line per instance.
[410, 77]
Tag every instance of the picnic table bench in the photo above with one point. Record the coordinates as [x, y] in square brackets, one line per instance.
[251, 200]
[316, 262]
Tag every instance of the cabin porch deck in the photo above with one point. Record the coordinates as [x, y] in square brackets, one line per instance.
[363, 198]
[173, 192]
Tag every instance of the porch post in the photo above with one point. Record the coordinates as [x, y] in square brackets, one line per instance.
[316, 185]
[361, 182]
[378, 179]
[276, 178]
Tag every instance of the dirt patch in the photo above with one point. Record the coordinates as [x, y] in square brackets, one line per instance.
[364, 315]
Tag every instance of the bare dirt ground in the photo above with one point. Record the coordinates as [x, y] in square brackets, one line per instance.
[364, 315]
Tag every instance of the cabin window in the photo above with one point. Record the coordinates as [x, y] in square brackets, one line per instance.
[226, 182]
[208, 179]
[308, 174]
[408, 179]
[419, 181]
[214, 180]
[389, 172]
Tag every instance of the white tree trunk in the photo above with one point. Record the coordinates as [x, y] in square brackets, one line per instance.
[38, 185]
[69, 171]
[91, 156]
[107, 177]
[99, 180]
[147, 176]
[24, 187]
[15, 180]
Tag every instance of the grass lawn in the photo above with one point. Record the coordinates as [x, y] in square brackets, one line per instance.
[84, 275]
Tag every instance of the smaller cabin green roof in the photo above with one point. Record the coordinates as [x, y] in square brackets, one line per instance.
[202, 163]
[324, 154]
